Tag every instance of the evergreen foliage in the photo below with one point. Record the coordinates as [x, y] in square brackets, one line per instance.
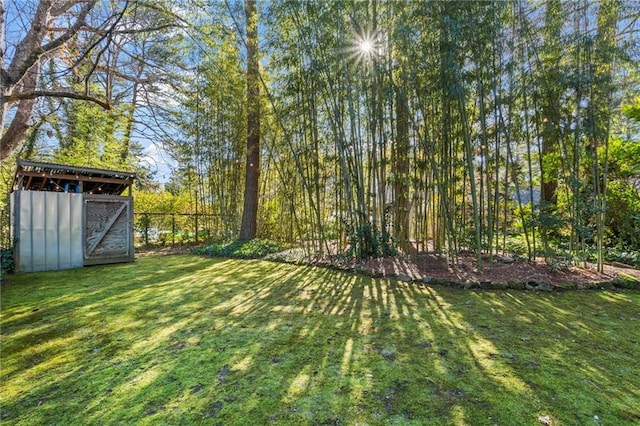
[252, 249]
[6, 261]
[385, 127]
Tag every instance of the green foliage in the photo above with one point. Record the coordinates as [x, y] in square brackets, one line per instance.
[161, 202]
[169, 213]
[190, 340]
[624, 255]
[494, 98]
[624, 158]
[7, 170]
[142, 225]
[92, 137]
[211, 123]
[550, 166]
[369, 241]
[623, 215]
[6, 261]
[549, 219]
[252, 249]
[632, 110]
[517, 247]
[623, 196]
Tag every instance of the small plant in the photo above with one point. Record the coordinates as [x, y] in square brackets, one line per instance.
[253, 249]
[369, 241]
[559, 265]
[624, 255]
[6, 261]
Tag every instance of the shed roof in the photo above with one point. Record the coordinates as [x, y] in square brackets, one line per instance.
[37, 176]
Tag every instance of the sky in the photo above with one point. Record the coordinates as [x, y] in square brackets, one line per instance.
[18, 19]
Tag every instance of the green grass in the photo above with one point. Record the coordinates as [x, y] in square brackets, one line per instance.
[189, 340]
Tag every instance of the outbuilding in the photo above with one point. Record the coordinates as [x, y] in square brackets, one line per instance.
[67, 217]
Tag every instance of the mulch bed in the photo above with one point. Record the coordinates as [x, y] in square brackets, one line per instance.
[499, 272]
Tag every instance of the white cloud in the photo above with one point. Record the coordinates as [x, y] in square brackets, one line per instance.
[157, 160]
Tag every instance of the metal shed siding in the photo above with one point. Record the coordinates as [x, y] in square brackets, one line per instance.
[47, 230]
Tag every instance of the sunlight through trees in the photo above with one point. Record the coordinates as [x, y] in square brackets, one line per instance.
[363, 128]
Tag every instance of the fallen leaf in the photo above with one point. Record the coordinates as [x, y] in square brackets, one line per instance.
[545, 420]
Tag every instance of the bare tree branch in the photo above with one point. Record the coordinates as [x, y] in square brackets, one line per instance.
[26, 55]
[101, 31]
[55, 94]
[107, 35]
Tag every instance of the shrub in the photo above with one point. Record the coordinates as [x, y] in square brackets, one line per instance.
[623, 255]
[368, 241]
[6, 261]
[253, 249]
[623, 215]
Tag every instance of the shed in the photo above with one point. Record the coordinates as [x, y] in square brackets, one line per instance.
[67, 217]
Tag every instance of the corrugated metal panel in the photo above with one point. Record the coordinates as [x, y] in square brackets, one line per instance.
[38, 235]
[52, 200]
[64, 233]
[76, 206]
[23, 237]
[49, 230]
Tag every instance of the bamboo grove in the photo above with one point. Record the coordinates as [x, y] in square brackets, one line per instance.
[497, 127]
[443, 126]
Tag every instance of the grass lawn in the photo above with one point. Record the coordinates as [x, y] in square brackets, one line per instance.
[188, 340]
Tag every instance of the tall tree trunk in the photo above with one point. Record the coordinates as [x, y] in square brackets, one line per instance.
[402, 145]
[551, 113]
[401, 178]
[21, 75]
[551, 94]
[248, 226]
[599, 114]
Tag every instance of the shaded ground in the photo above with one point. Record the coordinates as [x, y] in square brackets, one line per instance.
[158, 250]
[432, 268]
[192, 340]
[503, 270]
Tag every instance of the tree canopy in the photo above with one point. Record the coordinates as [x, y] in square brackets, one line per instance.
[384, 126]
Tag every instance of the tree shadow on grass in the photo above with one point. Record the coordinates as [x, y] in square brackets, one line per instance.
[188, 340]
[554, 351]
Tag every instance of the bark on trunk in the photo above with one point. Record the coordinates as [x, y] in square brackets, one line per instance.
[248, 227]
[22, 74]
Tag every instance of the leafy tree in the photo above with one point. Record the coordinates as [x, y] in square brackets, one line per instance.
[20, 73]
[372, 126]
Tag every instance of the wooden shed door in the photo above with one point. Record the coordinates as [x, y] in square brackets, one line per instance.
[108, 229]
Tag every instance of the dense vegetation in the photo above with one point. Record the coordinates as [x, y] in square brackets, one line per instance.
[254, 249]
[384, 126]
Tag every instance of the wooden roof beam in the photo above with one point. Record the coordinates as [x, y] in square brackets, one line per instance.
[60, 176]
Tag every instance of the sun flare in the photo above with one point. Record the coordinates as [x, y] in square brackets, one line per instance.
[365, 47]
